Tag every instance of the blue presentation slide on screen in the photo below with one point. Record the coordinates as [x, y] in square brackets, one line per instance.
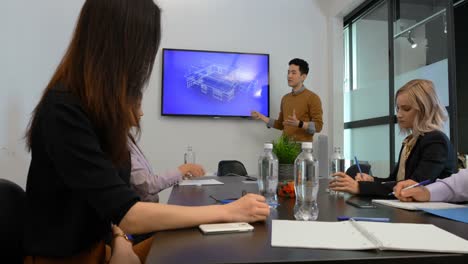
[214, 83]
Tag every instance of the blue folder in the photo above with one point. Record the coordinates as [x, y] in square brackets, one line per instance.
[457, 214]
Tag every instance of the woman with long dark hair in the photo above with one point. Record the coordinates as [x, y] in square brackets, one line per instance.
[78, 180]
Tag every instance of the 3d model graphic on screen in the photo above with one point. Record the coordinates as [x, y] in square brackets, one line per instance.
[211, 83]
[219, 81]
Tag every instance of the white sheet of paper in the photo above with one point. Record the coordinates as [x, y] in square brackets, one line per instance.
[413, 206]
[315, 234]
[249, 182]
[200, 182]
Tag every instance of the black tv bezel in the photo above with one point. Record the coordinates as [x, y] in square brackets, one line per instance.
[213, 51]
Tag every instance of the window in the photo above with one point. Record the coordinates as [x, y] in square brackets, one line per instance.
[387, 43]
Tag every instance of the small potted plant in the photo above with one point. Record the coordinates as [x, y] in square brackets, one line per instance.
[286, 150]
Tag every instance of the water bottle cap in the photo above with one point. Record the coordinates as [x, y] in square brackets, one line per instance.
[307, 145]
[268, 146]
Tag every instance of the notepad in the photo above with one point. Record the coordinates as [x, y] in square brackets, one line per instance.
[200, 182]
[349, 235]
[414, 206]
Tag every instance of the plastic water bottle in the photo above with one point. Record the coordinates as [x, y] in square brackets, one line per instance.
[337, 164]
[189, 155]
[306, 184]
[268, 175]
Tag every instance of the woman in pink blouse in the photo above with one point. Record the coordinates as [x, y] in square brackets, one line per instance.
[144, 181]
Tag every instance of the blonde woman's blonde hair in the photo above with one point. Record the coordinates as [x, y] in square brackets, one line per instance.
[422, 96]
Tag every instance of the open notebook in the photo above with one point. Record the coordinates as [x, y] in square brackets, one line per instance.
[350, 235]
[417, 205]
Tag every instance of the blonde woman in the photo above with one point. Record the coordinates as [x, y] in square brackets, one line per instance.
[426, 153]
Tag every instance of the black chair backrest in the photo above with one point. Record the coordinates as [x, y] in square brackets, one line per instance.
[231, 167]
[353, 169]
[12, 212]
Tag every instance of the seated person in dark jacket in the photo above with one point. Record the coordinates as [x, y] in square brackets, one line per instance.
[426, 152]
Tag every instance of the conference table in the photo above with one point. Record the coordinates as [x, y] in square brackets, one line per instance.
[191, 246]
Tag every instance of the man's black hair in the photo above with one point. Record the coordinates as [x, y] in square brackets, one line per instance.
[303, 65]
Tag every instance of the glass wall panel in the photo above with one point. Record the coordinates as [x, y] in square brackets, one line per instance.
[410, 12]
[420, 50]
[368, 96]
[461, 65]
[370, 144]
[346, 75]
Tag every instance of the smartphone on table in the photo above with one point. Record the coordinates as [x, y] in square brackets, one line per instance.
[226, 228]
[360, 203]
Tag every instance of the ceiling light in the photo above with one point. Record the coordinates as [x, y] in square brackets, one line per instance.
[411, 41]
[444, 19]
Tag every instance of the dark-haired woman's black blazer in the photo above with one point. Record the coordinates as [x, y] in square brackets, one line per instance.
[74, 192]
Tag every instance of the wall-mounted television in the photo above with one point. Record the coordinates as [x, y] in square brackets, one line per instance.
[214, 83]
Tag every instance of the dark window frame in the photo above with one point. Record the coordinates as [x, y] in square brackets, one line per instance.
[390, 119]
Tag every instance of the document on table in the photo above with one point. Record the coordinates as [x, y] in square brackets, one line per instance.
[457, 214]
[351, 235]
[200, 182]
[414, 206]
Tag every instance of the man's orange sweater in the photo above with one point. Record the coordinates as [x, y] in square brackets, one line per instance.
[308, 108]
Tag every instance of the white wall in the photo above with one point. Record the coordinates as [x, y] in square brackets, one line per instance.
[36, 33]
[335, 11]
[282, 29]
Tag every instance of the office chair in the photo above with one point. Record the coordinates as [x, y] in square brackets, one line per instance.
[353, 169]
[231, 167]
[12, 208]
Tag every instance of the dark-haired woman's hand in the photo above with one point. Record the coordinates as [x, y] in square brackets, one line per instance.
[249, 208]
[122, 248]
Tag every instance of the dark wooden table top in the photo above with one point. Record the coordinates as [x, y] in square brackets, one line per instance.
[191, 246]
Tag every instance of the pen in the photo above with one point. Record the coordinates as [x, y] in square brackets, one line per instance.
[368, 219]
[414, 185]
[226, 201]
[357, 164]
[388, 182]
[223, 201]
[273, 204]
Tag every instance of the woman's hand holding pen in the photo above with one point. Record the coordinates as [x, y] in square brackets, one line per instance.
[363, 177]
[419, 194]
[249, 208]
[344, 183]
